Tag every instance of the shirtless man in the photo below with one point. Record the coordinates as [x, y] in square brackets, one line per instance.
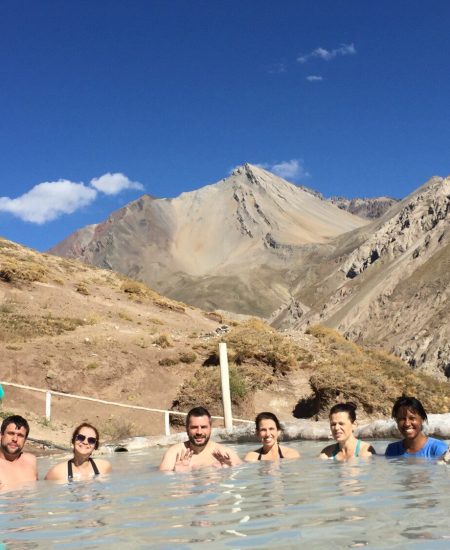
[199, 451]
[16, 467]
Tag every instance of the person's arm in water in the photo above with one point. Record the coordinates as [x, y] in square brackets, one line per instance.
[226, 457]
[327, 452]
[177, 458]
[57, 473]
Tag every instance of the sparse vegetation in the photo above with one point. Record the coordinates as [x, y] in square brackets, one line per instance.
[206, 389]
[372, 379]
[116, 429]
[21, 268]
[138, 290]
[163, 341]
[214, 316]
[125, 316]
[82, 289]
[168, 362]
[16, 327]
[156, 321]
[92, 366]
[255, 342]
[188, 357]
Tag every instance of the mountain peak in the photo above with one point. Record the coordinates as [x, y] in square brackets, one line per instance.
[250, 171]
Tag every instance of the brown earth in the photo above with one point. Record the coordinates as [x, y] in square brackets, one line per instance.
[90, 332]
[75, 329]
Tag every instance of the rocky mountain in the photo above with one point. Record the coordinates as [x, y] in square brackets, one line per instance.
[237, 245]
[256, 244]
[365, 208]
[389, 285]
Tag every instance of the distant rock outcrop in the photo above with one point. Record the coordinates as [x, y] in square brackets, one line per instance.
[393, 287]
[365, 208]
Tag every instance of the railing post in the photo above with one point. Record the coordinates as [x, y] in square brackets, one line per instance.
[167, 422]
[225, 382]
[48, 405]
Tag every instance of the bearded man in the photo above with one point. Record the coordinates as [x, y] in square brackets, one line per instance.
[199, 451]
[16, 467]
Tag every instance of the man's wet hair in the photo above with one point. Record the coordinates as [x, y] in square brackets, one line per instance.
[18, 420]
[197, 411]
[411, 403]
[349, 408]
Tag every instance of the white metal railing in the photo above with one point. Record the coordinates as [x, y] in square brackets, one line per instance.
[48, 404]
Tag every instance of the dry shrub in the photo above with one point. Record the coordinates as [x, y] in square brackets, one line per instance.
[163, 341]
[125, 316]
[204, 388]
[21, 269]
[135, 288]
[214, 316]
[16, 327]
[138, 290]
[188, 357]
[255, 342]
[82, 289]
[168, 362]
[116, 429]
[372, 379]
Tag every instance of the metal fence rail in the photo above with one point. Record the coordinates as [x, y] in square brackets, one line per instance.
[48, 404]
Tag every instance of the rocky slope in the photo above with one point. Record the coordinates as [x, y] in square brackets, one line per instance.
[365, 208]
[232, 245]
[391, 288]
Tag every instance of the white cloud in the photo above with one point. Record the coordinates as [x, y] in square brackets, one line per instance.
[49, 200]
[112, 184]
[289, 169]
[314, 78]
[328, 55]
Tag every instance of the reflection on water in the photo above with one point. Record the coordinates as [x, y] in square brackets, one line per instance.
[376, 503]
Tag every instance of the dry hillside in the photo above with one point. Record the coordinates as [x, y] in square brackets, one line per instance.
[87, 331]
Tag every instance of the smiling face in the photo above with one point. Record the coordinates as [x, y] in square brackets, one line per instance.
[199, 430]
[13, 440]
[409, 423]
[341, 426]
[268, 432]
[84, 448]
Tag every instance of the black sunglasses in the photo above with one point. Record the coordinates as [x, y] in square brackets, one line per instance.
[90, 440]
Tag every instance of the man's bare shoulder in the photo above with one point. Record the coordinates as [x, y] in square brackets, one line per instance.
[28, 458]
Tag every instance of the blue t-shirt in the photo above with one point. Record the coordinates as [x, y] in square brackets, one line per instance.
[432, 448]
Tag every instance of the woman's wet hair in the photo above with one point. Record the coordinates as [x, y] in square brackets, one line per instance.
[268, 416]
[86, 425]
[411, 403]
[349, 408]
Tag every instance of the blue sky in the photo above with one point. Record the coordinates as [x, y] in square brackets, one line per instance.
[101, 101]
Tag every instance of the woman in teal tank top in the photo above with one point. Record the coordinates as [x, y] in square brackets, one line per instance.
[342, 424]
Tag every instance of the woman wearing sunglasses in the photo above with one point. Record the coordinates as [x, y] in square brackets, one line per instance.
[85, 440]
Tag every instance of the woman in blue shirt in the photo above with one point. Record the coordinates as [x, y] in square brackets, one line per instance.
[410, 416]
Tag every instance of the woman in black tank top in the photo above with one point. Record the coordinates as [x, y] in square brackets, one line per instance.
[268, 430]
[85, 440]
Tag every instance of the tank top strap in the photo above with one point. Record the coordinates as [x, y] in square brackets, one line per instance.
[94, 466]
[358, 447]
[69, 470]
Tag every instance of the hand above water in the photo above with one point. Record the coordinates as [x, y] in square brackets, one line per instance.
[222, 458]
[183, 460]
